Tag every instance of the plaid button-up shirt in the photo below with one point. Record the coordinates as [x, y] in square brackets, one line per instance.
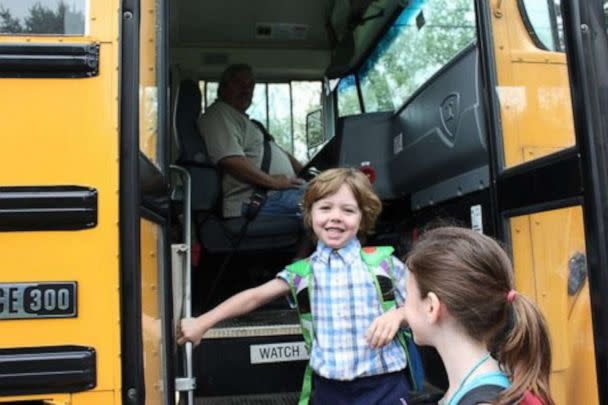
[344, 304]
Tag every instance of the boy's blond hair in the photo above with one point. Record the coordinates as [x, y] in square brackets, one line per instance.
[330, 181]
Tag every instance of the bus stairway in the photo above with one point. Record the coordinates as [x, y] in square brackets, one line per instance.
[256, 358]
[260, 358]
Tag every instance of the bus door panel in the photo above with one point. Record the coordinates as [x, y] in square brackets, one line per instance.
[155, 275]
[553, 271]
[586, 38]
[537, 185]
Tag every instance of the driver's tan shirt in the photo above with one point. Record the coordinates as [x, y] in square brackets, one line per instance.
[228, 132]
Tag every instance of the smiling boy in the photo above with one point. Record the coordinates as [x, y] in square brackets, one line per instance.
[354, 356]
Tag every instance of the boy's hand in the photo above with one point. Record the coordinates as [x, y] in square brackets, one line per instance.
[192, 330]
[384, 328]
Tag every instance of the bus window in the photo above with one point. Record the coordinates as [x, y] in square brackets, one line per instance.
[544, 23]
[306, 98]
[348, 98]
[281, 107]
[43, 17]
[425, 37]
[259, 104]
[279, 114]
[209, 92]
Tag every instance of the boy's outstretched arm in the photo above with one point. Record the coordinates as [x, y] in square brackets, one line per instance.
[384, 328]
[193, 329]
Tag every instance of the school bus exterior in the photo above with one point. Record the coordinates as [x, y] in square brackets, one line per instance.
[69, 221]
[506, 134]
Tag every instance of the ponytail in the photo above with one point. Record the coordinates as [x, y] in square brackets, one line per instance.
[525, 352]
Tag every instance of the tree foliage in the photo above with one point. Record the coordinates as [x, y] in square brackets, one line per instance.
[8, 23]
[42, 19]
[412, 50]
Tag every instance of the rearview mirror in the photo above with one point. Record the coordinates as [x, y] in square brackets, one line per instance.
[315, 135]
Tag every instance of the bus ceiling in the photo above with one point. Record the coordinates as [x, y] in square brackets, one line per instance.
[282, 40]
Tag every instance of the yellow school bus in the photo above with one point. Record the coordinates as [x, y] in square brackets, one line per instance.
[488, 113]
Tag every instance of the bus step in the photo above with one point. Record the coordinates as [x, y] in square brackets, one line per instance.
[267, 349]
[280, 322]
[281, 398]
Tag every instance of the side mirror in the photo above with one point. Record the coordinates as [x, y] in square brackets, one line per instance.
[315, 135]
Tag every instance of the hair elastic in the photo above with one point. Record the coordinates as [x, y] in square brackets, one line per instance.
[511, 296]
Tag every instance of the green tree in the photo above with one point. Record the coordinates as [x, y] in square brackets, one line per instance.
[415, 49]
[43, 20]
[8, 23]
[348, 98]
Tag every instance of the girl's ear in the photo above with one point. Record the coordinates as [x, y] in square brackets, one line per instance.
[434, 307]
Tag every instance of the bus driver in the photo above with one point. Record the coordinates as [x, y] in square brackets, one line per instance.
[236, 145]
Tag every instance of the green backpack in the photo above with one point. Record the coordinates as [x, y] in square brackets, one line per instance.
[376, 259]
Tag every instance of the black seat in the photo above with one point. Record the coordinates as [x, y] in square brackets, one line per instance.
[218, 234]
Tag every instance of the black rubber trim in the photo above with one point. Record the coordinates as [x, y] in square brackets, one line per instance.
[40, 370]
[491, 103]
[550, 178]
[49, 60]
[133, 386]
[47, 208]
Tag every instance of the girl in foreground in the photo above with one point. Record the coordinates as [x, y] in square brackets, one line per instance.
[461, 300]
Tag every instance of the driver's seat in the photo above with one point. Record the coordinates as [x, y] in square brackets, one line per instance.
[218, 234]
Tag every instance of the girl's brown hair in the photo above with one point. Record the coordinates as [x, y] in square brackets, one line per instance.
[472, 275]
[330, 181]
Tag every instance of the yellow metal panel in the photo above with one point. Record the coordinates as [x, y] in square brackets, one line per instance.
[69, 142]
[48, 399]
[65, 132]
[533, 89]
[96, 398]
[543, 244]
[81, 398]
[151, 307]
[523, 263]
[151, 234]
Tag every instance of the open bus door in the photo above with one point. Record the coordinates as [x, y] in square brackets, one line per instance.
[549, 173]
[587, 44]
[155, 274]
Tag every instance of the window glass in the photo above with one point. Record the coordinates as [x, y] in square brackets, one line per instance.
[544, 21]
[348, 98]
[281, 107]
[259, 107]
[425, 37]
[51, 17]
[279, 119]
[210, 93]
[306, 98]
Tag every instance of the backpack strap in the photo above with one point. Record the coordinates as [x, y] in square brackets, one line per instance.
[380, 264]
[300, 285]
[487, 393]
